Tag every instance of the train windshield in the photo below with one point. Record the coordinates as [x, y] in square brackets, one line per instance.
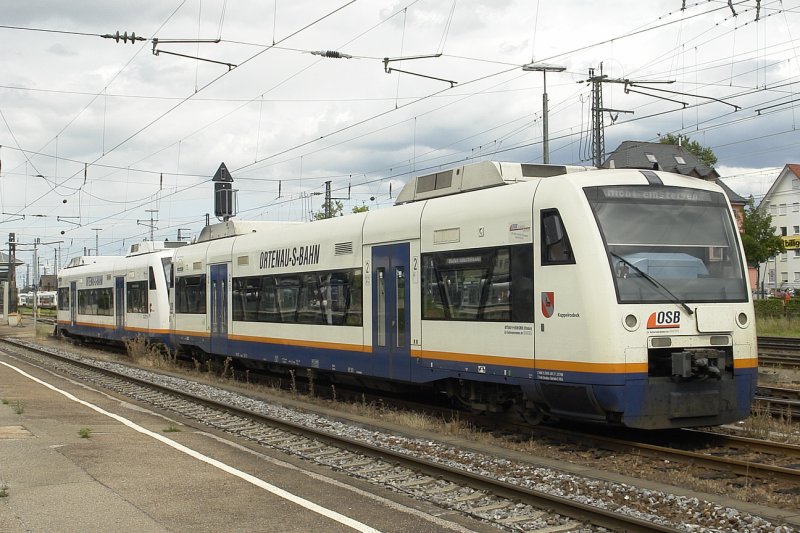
[669, 244]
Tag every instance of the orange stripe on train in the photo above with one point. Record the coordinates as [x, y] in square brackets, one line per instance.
[303, 343]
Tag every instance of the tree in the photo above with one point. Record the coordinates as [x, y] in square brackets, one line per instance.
[336, 210]
[758, 237]
[703, 153]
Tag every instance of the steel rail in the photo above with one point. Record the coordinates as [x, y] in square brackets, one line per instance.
[718, 463]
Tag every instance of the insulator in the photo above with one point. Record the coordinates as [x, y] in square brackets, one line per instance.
[333, 54]
[125, 37]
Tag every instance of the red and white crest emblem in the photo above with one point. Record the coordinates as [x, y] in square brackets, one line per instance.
[548, 304]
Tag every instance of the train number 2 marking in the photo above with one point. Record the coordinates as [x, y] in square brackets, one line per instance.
[664, 320]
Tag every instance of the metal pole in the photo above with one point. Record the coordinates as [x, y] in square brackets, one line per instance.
[544, 68]
[35, 281]
[545, 131]
[97, 240]
[12, 272]
[328, 207]
[152, 222]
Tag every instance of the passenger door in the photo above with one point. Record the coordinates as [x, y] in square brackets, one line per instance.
[119, 302]
[219, 308]
[73, 303]
[391, 335]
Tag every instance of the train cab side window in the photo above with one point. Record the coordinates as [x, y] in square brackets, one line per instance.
[151, 279]
[556, 249]
[166, 266]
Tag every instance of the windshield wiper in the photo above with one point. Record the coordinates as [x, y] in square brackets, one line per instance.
[655, 282]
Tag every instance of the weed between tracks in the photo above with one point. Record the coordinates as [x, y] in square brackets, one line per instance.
[3, 489]
[762, 424]
[148, 354]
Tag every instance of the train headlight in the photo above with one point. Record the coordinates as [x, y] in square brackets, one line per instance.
[742, 320]
[631, 322]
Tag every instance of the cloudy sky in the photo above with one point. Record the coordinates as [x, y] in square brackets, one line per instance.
[97, 135]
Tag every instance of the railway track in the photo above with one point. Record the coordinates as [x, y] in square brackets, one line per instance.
[780, 401]
[466, 488]
[779, 351]
[474, 494]
[734, 455]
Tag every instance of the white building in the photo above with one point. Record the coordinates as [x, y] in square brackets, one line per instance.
[782, 202]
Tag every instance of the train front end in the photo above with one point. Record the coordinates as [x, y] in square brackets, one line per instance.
[685, 321]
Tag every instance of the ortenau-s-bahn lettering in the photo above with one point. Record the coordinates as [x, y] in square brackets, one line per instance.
[290, 257]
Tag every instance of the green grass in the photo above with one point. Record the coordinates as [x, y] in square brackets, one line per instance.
[778, 327]
[3, 490]
[85, 433]
[43, 313]
[171, 429]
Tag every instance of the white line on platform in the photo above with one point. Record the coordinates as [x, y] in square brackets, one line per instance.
[333, 515]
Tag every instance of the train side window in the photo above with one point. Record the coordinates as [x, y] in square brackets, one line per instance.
[482, 284]
[96, 302]
[245, 296]
[326, 298]
[63, 299]
[136, 296]
[400, 311]
[151, 278]
[522, 284]
[190, 294]
[556, 249]
[268, 309]
[310, 302]
[380, 276]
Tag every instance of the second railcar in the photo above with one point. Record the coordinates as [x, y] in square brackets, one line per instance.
[116, 298]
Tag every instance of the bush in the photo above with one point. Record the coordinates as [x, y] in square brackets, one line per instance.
[772, 308]
[792, 307]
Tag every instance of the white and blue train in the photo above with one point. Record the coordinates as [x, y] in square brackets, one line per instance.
[612, 296]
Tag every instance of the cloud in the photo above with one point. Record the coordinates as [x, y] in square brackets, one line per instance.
[61, 50]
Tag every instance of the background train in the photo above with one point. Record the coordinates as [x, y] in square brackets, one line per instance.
[44, 299]
[611, 296]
